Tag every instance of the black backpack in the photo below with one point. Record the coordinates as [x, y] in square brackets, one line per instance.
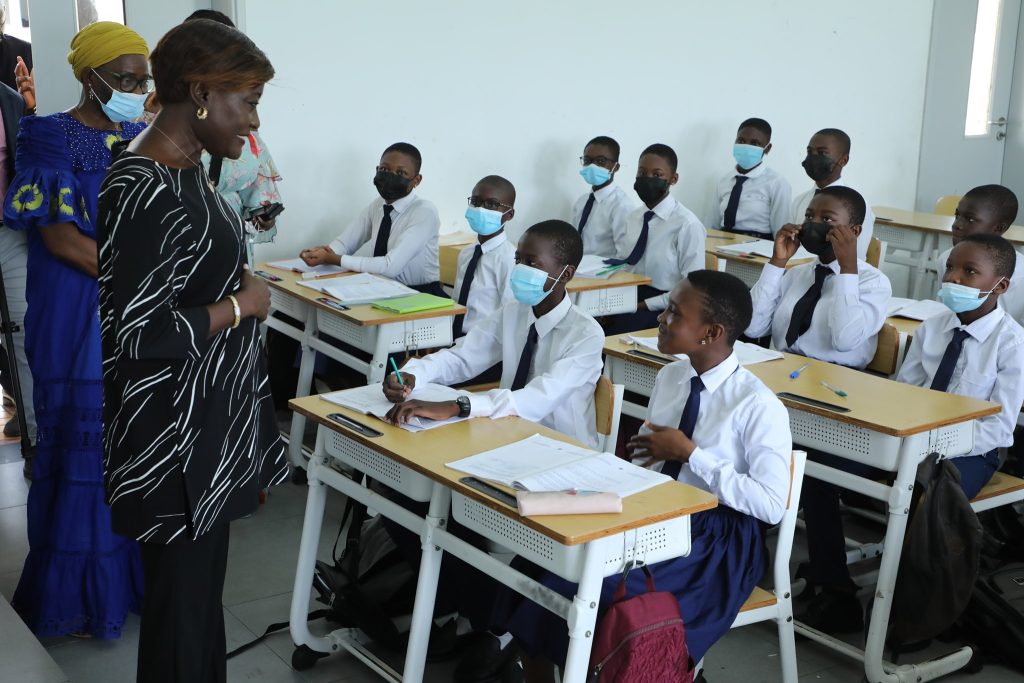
[993, 622]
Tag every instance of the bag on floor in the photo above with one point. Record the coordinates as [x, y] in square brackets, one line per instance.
[641, 639]
[993, 622]
[941, 555]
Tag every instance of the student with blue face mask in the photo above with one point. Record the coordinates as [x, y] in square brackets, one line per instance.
[751, 199]
[595, 213]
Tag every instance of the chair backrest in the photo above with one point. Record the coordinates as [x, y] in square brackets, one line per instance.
[608, 411]
[787, 527]
[876, 252]
[887, 351]
[946, 204]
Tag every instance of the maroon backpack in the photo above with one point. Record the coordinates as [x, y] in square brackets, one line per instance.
[641, 639]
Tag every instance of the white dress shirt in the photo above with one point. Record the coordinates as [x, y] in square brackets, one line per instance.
[412, 246]
[611, 204]
[742, 436]
[1012, 301]
[766, 199]
[990, 367]
[844, 327]
[566, 365]
[490, 288]
[867, 228]
[675, 245]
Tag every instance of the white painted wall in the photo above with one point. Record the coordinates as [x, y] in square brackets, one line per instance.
[518, 88]
[151, 19]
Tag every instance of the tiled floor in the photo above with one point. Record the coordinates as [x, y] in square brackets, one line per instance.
[258, 591]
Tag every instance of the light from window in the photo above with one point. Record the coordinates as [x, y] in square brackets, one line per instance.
[91, 11]
[983, 62]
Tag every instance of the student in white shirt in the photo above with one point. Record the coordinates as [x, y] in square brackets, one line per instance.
[990, 210]
[752, 199]
[720, 429]
[833, 307]
[974, 350]
[661, 239]
[396, 235]
[595, 213]
[550, 350]
[828, 152]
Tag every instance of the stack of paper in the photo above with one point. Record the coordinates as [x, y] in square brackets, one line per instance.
[414, 303]
[370, 400]
[297, 265]
[747, 354]
[539, 463]
[593, 266]
[915, 310]
[763, 248]
[361, 288]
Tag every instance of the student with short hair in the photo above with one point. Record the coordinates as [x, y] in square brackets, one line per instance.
[990, 210]
[752, 199]
[833, 307]
[711, 424]
[661, 239]
[396, 235]
[975, 349]
[828, 153]
[595, 213]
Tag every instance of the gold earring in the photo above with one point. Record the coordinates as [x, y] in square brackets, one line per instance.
[202, 113]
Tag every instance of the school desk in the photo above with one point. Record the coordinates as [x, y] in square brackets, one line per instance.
[889, 425]
[449, 246]
[653, 526]
[922, 235]
[610, 296]
[364, 327]
[746, 268]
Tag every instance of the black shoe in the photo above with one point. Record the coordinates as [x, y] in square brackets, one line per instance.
[810, 590]
[485, 660]
[835, 612]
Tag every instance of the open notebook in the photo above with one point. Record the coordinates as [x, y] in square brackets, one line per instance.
[747, 354]
[297, 265]
[763, 248]
[370, 400]
[914, 309]
[361, 288]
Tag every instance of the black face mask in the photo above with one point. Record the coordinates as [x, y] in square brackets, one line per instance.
[650, 189]
[391, 186]
[813, 239]
[818, 166]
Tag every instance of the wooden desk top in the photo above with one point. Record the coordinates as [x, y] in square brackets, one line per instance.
[720, 238]
[427, 452]
[904, 325]
[875, 403]
[361, 314]
[931, 222]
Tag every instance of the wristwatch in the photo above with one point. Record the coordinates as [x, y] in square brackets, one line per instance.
[463, 403]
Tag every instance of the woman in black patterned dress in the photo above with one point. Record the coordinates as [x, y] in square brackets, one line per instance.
[190, 434]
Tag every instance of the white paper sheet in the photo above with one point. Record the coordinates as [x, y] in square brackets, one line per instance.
[763, 248]
[361, 288]
[917, 310]
[297, 265]
[747, 354]
[593, 266]
[370, 400]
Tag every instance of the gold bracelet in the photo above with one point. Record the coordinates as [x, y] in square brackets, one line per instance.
[237, 310]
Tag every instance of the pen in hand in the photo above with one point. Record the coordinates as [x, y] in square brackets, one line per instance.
[398, 373]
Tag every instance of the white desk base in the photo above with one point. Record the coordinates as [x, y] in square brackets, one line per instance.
[608, 301]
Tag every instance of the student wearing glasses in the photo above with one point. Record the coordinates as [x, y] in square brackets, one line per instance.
[596, 212]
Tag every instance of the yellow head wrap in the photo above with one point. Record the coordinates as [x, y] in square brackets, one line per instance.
[99, 43]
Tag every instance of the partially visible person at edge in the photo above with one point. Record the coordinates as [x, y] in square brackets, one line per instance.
[79, 577]
[15, 53]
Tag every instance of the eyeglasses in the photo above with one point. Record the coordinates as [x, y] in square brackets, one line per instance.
[600, 161]
[489, 204]
[128, 82]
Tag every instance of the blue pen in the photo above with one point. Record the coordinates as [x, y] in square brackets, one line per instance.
[796, 373]
[397, 373]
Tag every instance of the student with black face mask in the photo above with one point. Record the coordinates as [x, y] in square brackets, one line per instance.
[832, 308]
[396, 235]
[828, 152]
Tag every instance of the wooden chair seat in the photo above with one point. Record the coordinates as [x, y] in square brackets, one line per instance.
[999, 484]
[759, 598]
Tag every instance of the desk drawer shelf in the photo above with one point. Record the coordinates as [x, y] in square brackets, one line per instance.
[611, 301]
[385, 470]
[899, 238]
[635, 377]
[359, 336]
[288, 305]
[748, 272]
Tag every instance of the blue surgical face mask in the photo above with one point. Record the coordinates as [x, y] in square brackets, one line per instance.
[747, 156]
[528, 284]
[122, 106]
[484, 221]
[961, 298]
[595, 175]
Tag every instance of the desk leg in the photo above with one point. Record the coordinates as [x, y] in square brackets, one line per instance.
[306, 364]
[583, 616]
[426, 586]
[315, 501]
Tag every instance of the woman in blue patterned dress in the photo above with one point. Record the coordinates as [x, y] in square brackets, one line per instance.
[79, 577]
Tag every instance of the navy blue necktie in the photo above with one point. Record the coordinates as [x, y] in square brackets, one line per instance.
[467, 282]
[525, 360]
[945, 372]
[380, 248]
[729, 220]
[639, 248]
[803, 311]
[686, 423]
[586, 212]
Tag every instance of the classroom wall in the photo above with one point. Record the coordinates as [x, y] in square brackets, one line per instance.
[517, 89]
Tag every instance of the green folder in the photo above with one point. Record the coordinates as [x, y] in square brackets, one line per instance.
[413, 304]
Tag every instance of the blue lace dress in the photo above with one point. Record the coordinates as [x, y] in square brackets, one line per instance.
[79, 576]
